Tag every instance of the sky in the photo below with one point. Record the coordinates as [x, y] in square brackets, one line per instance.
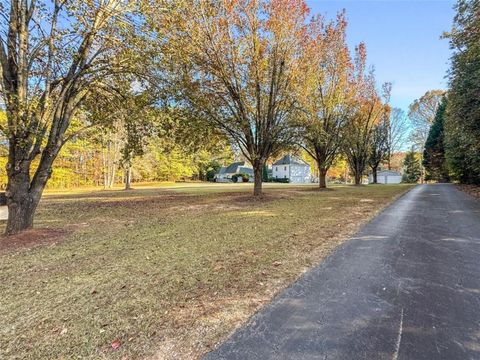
[402, 38]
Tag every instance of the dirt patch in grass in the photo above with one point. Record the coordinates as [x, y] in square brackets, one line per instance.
[473, 190]
[31, 238]
[166, 276]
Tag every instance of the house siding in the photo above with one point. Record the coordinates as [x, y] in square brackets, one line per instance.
[386, 178]
[281, 171]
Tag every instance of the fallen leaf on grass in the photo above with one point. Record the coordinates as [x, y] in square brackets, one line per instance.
[277, 263]
[116, 344]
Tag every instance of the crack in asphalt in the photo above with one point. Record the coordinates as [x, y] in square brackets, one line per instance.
[399, 337]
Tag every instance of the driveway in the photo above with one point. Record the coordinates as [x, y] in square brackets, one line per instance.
[407, 286]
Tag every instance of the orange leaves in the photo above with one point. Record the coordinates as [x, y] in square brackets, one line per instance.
[287, 18]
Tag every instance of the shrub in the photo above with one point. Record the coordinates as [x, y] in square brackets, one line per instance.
[280, 180]
[245, 177]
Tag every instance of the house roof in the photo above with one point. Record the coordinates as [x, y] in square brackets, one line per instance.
[388, 172]
[232, 168]
[290, 160]
[236, 168]
[245, 170]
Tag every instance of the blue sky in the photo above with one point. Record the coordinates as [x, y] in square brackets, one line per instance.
[402, 38]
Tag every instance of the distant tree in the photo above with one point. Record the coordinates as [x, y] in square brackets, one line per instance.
[265, 173]
[140, 119]
[379, 145]
[53, 55]
[421, 113]
[434, 153]
[398, 128]
[462, 123]
[236, 63]
[412, 170]
[325, 100]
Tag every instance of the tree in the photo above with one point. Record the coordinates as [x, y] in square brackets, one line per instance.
[327, 71]
[421, 113]
[379, 145]
[139, 117]
[366, 110]
[412, 169]
[434, 153]
[237, 65]
[462, 122]
[53, 55]
[397, 133]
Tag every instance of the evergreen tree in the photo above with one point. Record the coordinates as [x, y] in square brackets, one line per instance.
[412, 170]
[462, 123]
[434, 153]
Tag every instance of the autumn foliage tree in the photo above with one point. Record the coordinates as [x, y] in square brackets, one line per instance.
[367, 108]
[325, 91]
[53, 55]
[237, 64]
[379, 145]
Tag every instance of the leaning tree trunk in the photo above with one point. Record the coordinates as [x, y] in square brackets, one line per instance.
[257, 173]
[322, 177]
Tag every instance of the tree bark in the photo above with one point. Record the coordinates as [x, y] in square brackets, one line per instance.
[358, 179]
[23, 197]
[128, 177]
[374, 174]
[322, 177]
[257, 171]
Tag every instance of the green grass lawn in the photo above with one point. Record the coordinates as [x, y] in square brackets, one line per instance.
[165, 272]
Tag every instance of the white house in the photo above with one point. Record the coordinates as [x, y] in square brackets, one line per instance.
[3, 207]
[288, 167]
[226, 172]
[386, 177]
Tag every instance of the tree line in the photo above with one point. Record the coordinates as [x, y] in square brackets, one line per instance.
[261, 76]
[452, 148]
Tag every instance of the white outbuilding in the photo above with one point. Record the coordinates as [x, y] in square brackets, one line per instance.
[386, 177]
[295, 170]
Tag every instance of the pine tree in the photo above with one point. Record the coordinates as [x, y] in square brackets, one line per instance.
[462, 123]
[412, 170]
[434, 153]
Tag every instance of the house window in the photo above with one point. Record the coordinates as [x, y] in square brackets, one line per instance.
[276, 168]
[285, 168]
[284, 176]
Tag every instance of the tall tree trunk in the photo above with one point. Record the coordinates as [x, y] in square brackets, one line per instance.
[357, 174]
[358, 178]
[374, 174]
[128, 177]
[322, 177]
[257, 171]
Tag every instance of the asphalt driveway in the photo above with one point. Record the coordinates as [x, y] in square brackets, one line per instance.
[407, 286]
